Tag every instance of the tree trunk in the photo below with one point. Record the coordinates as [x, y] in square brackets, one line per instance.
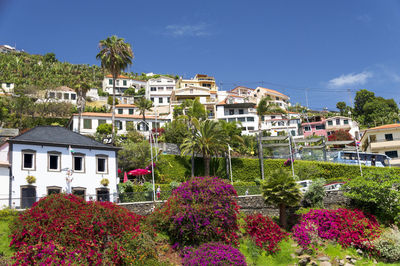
[260, 149]
[206, 165]
[80, 113]
[282, 216]
[227, 165]
[113, 110]
[192, 164]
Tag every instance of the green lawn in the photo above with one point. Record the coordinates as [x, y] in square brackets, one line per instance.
[4, 239]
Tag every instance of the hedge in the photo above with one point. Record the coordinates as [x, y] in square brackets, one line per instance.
[178, 168]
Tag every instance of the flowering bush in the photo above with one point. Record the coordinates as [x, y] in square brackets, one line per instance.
[388, 245]
[200, 210]
[213, 254]
[60, 228]
[264, 232]
[347, 227]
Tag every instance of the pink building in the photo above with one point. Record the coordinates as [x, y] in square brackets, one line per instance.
[314, 128]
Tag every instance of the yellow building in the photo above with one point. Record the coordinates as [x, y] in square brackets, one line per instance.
[200, 80]
[383, 139]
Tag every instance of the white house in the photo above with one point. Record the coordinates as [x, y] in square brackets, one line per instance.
[287, 124]
[60, 94]
[61, 161]
[7, 88]
[90, 122]
[280, 99]
[122, 83]
[341, 122]
[236, 109]
[160, 90]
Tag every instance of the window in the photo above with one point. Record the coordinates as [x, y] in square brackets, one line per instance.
[388, 137]
[8, 85]
[66, 96]
[53, 190]
[160, 88]
[73, 96]
[102, 194]
[79, 191]
[54, 161]
[28, 160]
[242, 119]
[141, 126]
[124, 82]
[231, 119]
[250, 128]
[78, 163]
[330, 123]
[120, 111]
[307, 128]
[320, 127]
[241, 111]
[338, 122]
[346, 121]
[272, 117]
[59, 95]
[110, 81]
[231, 111]
[87, 123]
[277, 98]
[152, 99]
[102, 121]
[168, 99]
[52, 95]
[170, 88]
[160, 100]
[191, 91]
[118, 124]
[250, 119]
[155, 125]
[117, 83]
[153, 89]
[293, 133]
[131, 111]
[391, 154]
[101, 164]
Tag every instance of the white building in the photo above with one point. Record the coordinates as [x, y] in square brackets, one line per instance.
[90, 122]
[7, 88]
[282, 124]
[237, 109]
[278, 98]
[127, 109]
[122, 84]
[61, 94]
[52, 154]
[341, 122]
[160, 90]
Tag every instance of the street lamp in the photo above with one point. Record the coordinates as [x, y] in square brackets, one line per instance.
[151, 155]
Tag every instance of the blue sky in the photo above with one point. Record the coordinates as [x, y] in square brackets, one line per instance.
[325, 46]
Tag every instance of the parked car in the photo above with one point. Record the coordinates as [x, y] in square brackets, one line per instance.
[304, 185]
[334, 186]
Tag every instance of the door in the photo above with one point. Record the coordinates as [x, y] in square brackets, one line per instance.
[28, 196]
[103, 194]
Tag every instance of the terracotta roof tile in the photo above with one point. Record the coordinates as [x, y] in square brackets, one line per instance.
[385, 127]
[273, 91]
[93, 114]
[125, 105]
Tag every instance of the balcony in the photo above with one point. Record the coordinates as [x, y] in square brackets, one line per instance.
[385, 145]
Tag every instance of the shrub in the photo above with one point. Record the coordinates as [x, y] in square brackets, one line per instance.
[377, 192]
[388, 245]
[213, 254]
[60, 225]
[264, 232]
[347, 227]
[30, 179]
[200, 210]
[105, 182]
[314, 197]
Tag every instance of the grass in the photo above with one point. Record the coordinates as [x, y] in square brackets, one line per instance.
[256, 256]
[4, 239]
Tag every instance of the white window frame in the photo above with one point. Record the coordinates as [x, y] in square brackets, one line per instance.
[80, 155]
[33, 153]
[57, 154]
[105, 157]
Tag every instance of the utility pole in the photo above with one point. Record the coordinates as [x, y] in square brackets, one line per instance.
[350, 99]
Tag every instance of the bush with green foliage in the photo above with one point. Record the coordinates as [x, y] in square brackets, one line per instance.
[377, 192]
[387, 245]
[200, 210]
[314, 196]
[281, 190]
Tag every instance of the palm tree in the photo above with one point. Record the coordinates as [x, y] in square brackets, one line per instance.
[115, 56]
[264, 107]
[208, 140]
[281, 190]
[81, 87]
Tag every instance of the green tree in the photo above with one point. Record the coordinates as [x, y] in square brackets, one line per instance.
[50, 58]
[144, 105]
[134, 155]
[378, 193]
[115, 56]
[175, 132]
[81, 87]
[362, 97]
[281, 190]
[342, 107]
[207, 140]
[104, 129]
[314, 197]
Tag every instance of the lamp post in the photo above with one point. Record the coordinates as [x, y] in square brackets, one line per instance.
[230, 163]
[152, 163]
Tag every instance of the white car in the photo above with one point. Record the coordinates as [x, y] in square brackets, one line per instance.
[304, 185]
[334, 186]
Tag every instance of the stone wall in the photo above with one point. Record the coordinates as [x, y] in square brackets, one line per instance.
[248, 204]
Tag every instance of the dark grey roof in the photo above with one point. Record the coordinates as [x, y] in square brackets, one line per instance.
[59, 136]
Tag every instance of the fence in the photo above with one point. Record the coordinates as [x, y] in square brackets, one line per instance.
[142, 196]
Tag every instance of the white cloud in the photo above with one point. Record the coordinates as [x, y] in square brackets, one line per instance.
[364, 18]
[350, 79]
[197, 30]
